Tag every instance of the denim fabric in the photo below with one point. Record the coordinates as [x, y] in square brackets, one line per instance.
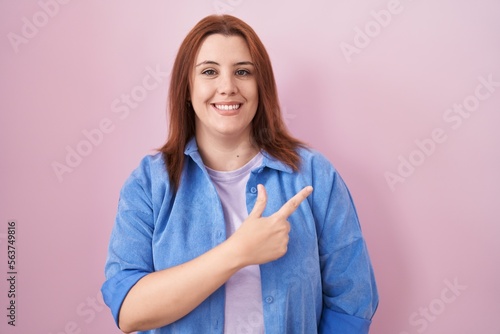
[323, 284]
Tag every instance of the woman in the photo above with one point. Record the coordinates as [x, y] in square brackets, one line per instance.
[221, 232]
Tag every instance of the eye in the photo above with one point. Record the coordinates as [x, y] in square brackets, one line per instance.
[209, 72]
[242, 73]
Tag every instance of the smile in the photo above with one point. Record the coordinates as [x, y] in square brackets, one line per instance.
[227, 106]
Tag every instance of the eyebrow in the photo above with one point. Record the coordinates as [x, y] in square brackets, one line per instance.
[211, 62]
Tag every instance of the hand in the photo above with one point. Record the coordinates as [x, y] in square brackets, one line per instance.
[263, 239]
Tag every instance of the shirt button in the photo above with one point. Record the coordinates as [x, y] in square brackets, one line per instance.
[253, 190]
[269, 299]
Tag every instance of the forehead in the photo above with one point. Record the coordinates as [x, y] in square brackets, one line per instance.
[220, 48]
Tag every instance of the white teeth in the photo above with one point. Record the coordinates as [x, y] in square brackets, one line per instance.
[227, 107]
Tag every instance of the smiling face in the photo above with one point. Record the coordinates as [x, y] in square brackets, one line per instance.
[224, 91]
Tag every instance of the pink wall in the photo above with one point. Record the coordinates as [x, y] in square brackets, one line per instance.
[375, 85]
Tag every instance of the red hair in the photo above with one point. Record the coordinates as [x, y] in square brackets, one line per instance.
[268, 129]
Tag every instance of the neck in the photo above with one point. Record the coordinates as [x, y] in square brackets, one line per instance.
[226, 153]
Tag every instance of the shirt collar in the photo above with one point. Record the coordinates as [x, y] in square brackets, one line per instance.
[268, 161]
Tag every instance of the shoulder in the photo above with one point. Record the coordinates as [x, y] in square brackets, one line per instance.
[314, 161]
[150, 167]
[149, 177]
[321, 172]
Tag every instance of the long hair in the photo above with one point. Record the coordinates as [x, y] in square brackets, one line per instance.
[268, 129]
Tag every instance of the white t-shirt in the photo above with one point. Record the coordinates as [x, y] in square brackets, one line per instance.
[243, 308]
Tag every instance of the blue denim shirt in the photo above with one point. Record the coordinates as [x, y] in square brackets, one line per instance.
[323, 284]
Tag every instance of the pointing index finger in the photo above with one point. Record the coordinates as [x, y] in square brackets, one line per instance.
[293, 203]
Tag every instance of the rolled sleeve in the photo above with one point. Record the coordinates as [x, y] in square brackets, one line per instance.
[115, 289]
[341, 323]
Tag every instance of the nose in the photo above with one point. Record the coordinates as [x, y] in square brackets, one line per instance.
[227, 84]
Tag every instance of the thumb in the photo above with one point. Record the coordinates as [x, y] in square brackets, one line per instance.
[260, 203]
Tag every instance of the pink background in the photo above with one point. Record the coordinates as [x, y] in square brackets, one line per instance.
[439, 227]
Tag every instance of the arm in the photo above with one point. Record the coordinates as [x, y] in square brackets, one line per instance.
[350, 295]
[163, 297]
[160, 298]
